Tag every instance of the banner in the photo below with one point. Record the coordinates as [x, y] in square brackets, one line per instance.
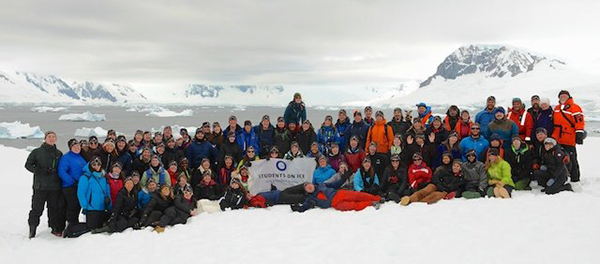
[279, 172]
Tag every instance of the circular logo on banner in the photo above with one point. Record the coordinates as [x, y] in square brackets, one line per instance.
[281, 166]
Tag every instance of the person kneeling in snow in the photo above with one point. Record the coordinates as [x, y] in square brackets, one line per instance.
[327, 195]
[235, 197]
[156, 209]
[553, 174]
[445, 185]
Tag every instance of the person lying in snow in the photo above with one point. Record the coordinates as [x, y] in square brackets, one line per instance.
[327, 195]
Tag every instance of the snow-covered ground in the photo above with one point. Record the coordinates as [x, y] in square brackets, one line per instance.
[530, 228]
[17, 129]
[83, 117]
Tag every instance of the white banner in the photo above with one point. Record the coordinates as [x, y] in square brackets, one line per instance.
[279, 172]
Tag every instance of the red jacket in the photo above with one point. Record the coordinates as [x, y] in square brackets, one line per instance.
[418, 174]
[463, 129]
[568, 119]
[115, 186]
[354, 160]
[173, 176]
[524, 122]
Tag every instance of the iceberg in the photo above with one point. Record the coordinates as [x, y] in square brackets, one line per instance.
[169, 113]
[45, 109]
[84, 117]
[88, 132]
[17, 129]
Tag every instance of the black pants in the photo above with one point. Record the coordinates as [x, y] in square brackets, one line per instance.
[172, 217]
[288, 198]
[573, 166]
[560, 184]
[122, 223]
[72, 207]
[95, 219]
[154, 216]
[38, 200]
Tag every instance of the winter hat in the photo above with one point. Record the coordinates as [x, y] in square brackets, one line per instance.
[397, 109]
[266, 117]
[354, 138]
[294, 143]
[456, 161]
[357, 113]
[437, 118]
[491, 98]
[206, 173]
[335, 144]
[366, 160]
[500, 109]
[297, 95]
[183, 160]
[232, 117]
[564, 92]
[135, 174]
[274, 149]
[183, 131]
[109, 141]
[157, 133]
[420, 136]
[204, 159]
[395, 157]
[550, 141]
[541, 130]
[117, 164]
[228, 157]
[471, 152]
[111, 132]
[379, 113]
[495, 137]
[321, 157]
[231, 134]
[83, 142]
[342, 111]
[171, 139]
[206, 124]
[314, 144]
[417, 156]
[280, 119]
[516, 100]
[199, 131]
[72, 142]
[535, 97]
[172, 163]
[247, 123]
[368, 108]
[373, 143]
[235, 180]
[150, 180]
[121, 138]
[453, 134]
[421, 104]
[216, 124]
[493, 152]
[128, 179]
[139, 132]
[48, 133]
[188, 189]
[306, 122]
[416, 120]
[328, 117]
[476, 125]
[155, 157]
[515, 137]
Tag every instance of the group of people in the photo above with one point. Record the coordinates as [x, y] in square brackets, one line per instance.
[155, 180]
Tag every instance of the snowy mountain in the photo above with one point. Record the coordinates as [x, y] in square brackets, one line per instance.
[213, 91]
[468, 75]
[25, 87]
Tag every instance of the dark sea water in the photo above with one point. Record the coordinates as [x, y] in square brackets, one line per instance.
[127, 122]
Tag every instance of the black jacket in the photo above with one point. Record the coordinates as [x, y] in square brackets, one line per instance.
[183, 206]
[394, 180]
[399, 127]
[125, 205]
[232, 149]
[520, 164]
[379, 162]
[234, 199]
[445, 181]
[282, 138]
[305, 139]
[211, 191]
[173, 154]
[140, 166]
[43, 163]
[157, 203]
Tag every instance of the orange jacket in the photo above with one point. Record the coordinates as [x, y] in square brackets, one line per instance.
[524, 122]
[378, 134]
[463, 129]
[567, 123]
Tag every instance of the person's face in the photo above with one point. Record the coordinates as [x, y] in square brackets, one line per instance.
[116, 170]
[421, 109]
[548, 146]
[160, 150]
[281, 124]
[138, 137]
[372, 149]
[541, 137]
[165, 191]
[231, 139]
[379, 118]
[452, 140]
[456, 168]
[85, 146]
[295, 149]
[184, 165]
[206, 165]
[517, 144]
[545, 106]
[357, 118]
[168, 132]
[343, 168]
[453, 112]
[437, 123]
[50, 139]
[171, 144]
[173, 168]
[187, 195]
[146, 154]
[397, 114]
[322, 162]
[135, 179]
[417, 161]
[464, 116]
[147, 137]
[274, 155]
[495, 143]
[420, 140]
[396, 163]
[368, 112]
[493, 158]
[265, 123]
[200, 136]
[109, 148]
[158, 138]
[121, 144]
[76, 148]
[418, 125]
[367, 165]
[305, 126]
[517, 106]
[179, 142]
[251, 153]
[247, 128]
[342, 116]
[155, 162]
[217, 129]
[129, 185]
[206, 129]
[475, 131]
[471, 158]
[152, 186]
[491, 104]
[353, 144]
[228, 162]
[499, 115]
[446, 160]
[535, 102]
[327, 122]
[563, 98]
[96, 167]
[113, 136]
[232, 123]
[206, 179]
[397, 141]
[309, 188]
[292, 126]
[314, 148]
[298, 100]
[235, 185]
[182, 181]
[335, 150]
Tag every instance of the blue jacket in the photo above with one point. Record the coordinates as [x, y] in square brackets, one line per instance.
[245, 140]
[92, 190]
[341, 128]
[484, 118]
[272, 197]
[360, 130]
[429, 119]
[441, 149]
[359, 185]
[325, 137]
[543, 118]
[322, 174]
[143, 198]
[480, 146]
[505, 128]
[126, 160]
[199, 150]
[70, 169]
[295, 113]
[265, 138]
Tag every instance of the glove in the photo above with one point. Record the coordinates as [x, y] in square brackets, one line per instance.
[248, 164]
[296, 207]
[536, 166]
[137, 226]
[450, 195]
[566, 159]
[84, 211]
[290, 158]
[579, 136]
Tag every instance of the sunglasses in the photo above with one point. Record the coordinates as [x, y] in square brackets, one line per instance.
[395, 161]
[94, 164]
[470, 155]
[475, 128]
[417, 159]
[93, 142]
[250, 151]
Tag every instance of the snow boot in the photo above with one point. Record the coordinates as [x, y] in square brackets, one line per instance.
[100, 230]
[405, 201]
[32, 231]
[471, 195]
[159, 229]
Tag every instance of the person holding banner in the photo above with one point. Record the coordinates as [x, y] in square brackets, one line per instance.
[295, 152]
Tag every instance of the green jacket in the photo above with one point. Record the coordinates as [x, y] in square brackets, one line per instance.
[501, 172]
[43, 163]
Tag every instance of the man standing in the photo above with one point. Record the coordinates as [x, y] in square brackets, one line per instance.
[522, 119]
[295, 112]
[569, 128]
[486, 116]
[70, 169]
[43, 163]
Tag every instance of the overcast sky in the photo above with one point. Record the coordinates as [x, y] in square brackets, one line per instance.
[281, 42]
